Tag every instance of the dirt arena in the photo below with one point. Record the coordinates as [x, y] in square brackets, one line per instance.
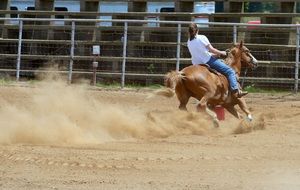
[55, 136]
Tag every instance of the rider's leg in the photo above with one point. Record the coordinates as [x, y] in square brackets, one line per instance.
[221, 67]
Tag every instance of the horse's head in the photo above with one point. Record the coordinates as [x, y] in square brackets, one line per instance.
[246, 58]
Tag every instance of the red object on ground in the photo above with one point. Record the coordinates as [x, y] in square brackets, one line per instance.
[219, 110]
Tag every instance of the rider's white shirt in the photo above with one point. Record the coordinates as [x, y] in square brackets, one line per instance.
[198, 49]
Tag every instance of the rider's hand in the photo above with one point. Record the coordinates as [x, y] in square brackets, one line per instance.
[227, 51]
[223, 54]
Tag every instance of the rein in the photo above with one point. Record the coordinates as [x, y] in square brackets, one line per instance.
[243, 80]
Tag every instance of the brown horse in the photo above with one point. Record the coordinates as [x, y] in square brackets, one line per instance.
[211, 88]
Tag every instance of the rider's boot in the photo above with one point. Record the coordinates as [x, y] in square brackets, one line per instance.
[239, 93]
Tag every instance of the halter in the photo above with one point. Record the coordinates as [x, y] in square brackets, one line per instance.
[228, 51]
[243, 80]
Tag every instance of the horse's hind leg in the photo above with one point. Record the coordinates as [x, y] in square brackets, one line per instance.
[183, 99]
[182, 106]
[243, 106]
[202, 106]
[183, 96]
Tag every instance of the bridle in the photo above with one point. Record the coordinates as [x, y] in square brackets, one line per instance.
[252, 62]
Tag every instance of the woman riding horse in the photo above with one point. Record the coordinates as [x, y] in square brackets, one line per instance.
[204, 53]
[211, 88]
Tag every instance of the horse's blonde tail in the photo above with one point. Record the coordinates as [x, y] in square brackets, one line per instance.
[171, 80]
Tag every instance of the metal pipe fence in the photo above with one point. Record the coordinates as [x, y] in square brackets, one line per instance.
[133, 51]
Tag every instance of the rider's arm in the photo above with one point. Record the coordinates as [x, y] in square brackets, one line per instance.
[215, 51]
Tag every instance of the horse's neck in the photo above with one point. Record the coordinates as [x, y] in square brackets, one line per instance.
[234, 63]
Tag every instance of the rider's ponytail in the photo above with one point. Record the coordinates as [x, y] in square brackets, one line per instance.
[193, 30]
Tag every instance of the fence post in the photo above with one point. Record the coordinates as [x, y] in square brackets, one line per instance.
[234, 34]
[178, 47]
[19, 50]
[124, 54]
[72, 53]
[297, 60]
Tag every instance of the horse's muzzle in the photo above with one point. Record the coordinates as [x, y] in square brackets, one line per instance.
[254, 65]
[254, 62]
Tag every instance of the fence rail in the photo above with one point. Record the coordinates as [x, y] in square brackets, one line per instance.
[134, 52]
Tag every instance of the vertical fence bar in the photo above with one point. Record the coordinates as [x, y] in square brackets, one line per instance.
[19, 50]
[72, 53]
[124, 54]
[297, 60]
[234, 34]
[178, 47]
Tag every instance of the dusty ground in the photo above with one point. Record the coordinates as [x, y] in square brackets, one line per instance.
[57, 137]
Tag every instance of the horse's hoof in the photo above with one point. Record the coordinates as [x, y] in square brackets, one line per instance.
[216, 123]
[249, 117]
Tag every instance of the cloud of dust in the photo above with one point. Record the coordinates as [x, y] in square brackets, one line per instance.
[245, 126]
[57, 113]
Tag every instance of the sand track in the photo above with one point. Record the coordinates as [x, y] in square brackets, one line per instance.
[60, 137]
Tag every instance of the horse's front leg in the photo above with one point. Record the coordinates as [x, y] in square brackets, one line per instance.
[231, 109]
[242, 103]
[202, 106]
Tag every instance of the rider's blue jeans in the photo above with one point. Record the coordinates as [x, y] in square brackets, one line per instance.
[224, 69]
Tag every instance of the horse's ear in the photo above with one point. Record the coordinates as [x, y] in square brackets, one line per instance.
[241, 44]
